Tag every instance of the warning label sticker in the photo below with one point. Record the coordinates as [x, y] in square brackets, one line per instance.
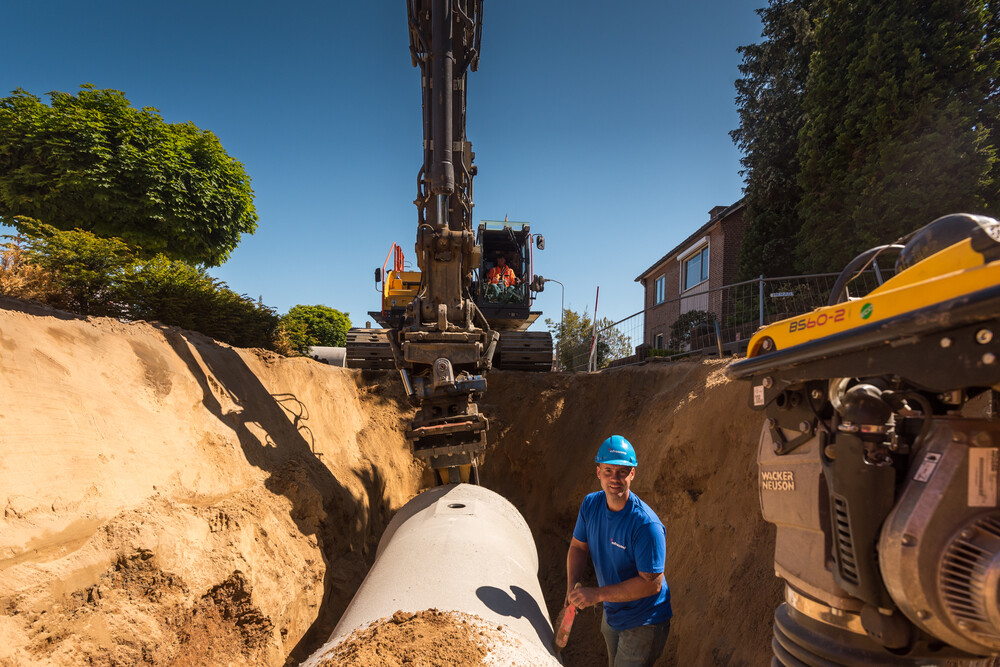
[927, 467]
[983, 464]
[758, 395]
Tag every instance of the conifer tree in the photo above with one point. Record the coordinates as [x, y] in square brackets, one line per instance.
[769, 100]
[899, 105]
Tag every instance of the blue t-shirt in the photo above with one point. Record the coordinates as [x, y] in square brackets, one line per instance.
[623, 544]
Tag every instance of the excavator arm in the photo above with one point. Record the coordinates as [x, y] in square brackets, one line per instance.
[445, 346]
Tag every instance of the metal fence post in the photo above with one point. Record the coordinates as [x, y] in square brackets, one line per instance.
[761, 294]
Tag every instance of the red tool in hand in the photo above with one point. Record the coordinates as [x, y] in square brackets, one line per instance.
[564, 623]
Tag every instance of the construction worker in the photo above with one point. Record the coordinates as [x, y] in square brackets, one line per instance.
[499, 281]
[627, 543]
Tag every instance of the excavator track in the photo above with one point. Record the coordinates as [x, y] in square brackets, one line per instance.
[525, 351]
[518, 351]
[369, 349]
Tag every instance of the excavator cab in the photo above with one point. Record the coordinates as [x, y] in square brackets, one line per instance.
[499, 298]
[507, 307]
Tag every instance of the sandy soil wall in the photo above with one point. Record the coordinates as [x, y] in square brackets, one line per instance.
[168, 500]
[171, 501]
[696, 441]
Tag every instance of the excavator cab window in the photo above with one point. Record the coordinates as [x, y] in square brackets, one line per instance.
[512, 241]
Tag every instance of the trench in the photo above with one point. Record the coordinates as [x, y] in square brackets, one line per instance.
[233, 499]
[696, 469]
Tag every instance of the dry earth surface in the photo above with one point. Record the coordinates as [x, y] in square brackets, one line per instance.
[167, 500]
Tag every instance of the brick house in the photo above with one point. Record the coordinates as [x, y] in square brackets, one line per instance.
[682, 280]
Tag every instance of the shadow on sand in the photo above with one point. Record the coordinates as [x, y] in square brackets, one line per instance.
[295, 471]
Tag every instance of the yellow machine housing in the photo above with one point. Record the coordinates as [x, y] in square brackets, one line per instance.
[951, 273]
[878, 457]
[399, 288]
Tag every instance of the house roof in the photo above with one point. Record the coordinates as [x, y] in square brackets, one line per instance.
[725, 212]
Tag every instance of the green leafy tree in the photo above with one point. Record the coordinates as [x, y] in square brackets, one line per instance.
[612, 344]
[899, 106]
[573, 337]
[93, 162]
[769, 98]
[307, 326]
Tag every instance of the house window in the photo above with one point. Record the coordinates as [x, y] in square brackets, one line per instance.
[696, 268]
[659, 342]
[661, 289]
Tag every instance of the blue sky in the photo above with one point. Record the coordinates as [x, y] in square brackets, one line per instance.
[603, 124]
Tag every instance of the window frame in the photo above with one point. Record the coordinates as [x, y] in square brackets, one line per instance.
[660, 290]
[702, 254]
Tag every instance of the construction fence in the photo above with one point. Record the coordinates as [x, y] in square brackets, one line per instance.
[713, 321]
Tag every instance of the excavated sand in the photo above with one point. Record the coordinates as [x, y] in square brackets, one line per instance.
[167, 500]
[430, 638]
[425, 639]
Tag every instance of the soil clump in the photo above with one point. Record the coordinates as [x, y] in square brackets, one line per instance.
[428, 638]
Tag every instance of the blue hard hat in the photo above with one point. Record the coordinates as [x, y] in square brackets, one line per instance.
[617, 451]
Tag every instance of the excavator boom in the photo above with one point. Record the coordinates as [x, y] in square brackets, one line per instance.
[444, 346]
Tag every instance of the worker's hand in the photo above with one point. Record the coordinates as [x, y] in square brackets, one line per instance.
[570, 590]
[581, 598]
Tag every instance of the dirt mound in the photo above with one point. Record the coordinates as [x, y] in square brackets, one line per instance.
[424, 639]
[253, 489]
[167, 500]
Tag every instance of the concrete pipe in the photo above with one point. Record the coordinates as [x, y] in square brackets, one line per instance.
[457, 548]
[335, 356]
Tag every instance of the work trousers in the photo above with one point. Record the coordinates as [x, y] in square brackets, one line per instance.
[635, 647]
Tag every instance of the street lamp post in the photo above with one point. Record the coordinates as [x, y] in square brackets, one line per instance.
[562, 312]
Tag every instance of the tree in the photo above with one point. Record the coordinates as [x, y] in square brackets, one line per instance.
[93, 162]
[573, 338]
[899, 105]
[769, 99]
[307, 326]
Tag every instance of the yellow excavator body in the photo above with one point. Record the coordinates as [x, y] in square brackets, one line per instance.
[399, 288]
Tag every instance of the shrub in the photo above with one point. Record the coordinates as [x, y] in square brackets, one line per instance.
[306, 326]
[21, 279]
[681, 330]
[89, 275]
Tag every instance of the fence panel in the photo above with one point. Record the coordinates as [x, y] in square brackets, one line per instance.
[730, 316]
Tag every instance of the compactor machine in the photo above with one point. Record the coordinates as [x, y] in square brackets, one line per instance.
[878, 457]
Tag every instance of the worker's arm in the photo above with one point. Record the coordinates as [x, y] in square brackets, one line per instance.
[641, 586]
[576, 563]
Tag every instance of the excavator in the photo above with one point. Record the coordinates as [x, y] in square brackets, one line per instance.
[440, 340]
[507, 311]
[445, 52]
[879, 454]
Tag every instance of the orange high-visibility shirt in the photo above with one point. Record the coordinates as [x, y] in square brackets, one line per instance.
[504, 275]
